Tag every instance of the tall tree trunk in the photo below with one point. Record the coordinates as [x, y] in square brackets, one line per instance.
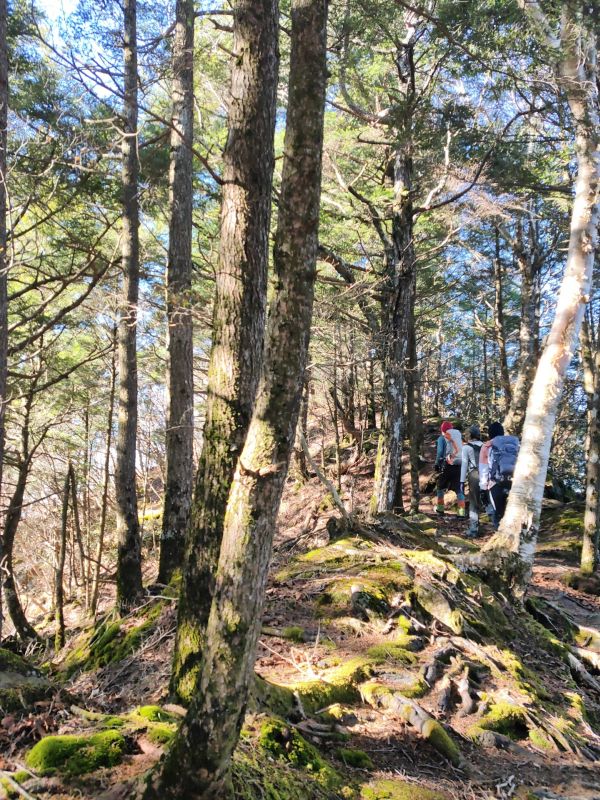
[106, 479]
[575, 51]
[302, 430]
[3, 252]
[396, 310]
[499, 325]
[197, 765]
[371, 399]
[528, 269]
[180, 430]
[11, 523]
[413, 412]
[59, 596]
[591, 518]
[78, 536]
[129, 557]
[238, 318]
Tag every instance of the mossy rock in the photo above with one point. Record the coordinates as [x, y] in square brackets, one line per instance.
[111, 641]
[439, 606]
[76, 755]
[354, 758]
[506, 718]
[387, 789]
[285, 743]
[11, 662]
[21, 684]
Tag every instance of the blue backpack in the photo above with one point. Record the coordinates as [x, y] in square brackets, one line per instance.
[503, 457]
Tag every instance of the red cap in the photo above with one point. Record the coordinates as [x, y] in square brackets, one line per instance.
[446, 426]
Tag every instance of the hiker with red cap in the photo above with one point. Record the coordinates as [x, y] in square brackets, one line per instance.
[448, 462]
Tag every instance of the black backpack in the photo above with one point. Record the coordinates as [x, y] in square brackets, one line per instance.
[476, 451]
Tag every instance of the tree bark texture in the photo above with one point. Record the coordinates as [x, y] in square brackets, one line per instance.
[180, 379]
[12, 519]
[238, 318]
[129, 559]
[499, 325]
[398, 290]
[529, 268]
[3, 250]
[591, 521]
[106, 479]
[413, 410]
[577, 76]
[3, 232]
[197, 765]
[59, 595]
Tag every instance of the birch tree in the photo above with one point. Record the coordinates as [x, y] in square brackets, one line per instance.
[573, 51]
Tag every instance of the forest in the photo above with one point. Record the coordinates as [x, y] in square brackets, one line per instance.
[299, 400]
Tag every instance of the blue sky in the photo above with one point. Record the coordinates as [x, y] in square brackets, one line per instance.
[57, 8]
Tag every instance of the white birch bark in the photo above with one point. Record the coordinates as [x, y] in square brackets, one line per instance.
[576, 72]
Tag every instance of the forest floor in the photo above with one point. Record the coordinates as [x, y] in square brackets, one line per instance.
[387, 673]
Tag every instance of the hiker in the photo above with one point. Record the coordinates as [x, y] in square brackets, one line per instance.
[448, 461]
[497, 461]
[469, 473]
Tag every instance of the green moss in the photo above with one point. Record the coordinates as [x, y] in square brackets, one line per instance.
[113, 722]
[285, 743]
[255, 777]
[155, 714]
[355, 758]
[506, 718]
[441, 741]
[398, 790]
[76, 755]
[23, 695]
[540, 740]
[394, 652]
[11, 662]
[294, 633]
[161, 733]
[277, 699]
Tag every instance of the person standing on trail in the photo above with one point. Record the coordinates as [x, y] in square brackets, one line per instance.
[448, 460]
[469, 473]
[497, 461]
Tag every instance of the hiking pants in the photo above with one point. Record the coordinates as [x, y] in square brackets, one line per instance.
[498, 498]
[475, 504]
[449, 479]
